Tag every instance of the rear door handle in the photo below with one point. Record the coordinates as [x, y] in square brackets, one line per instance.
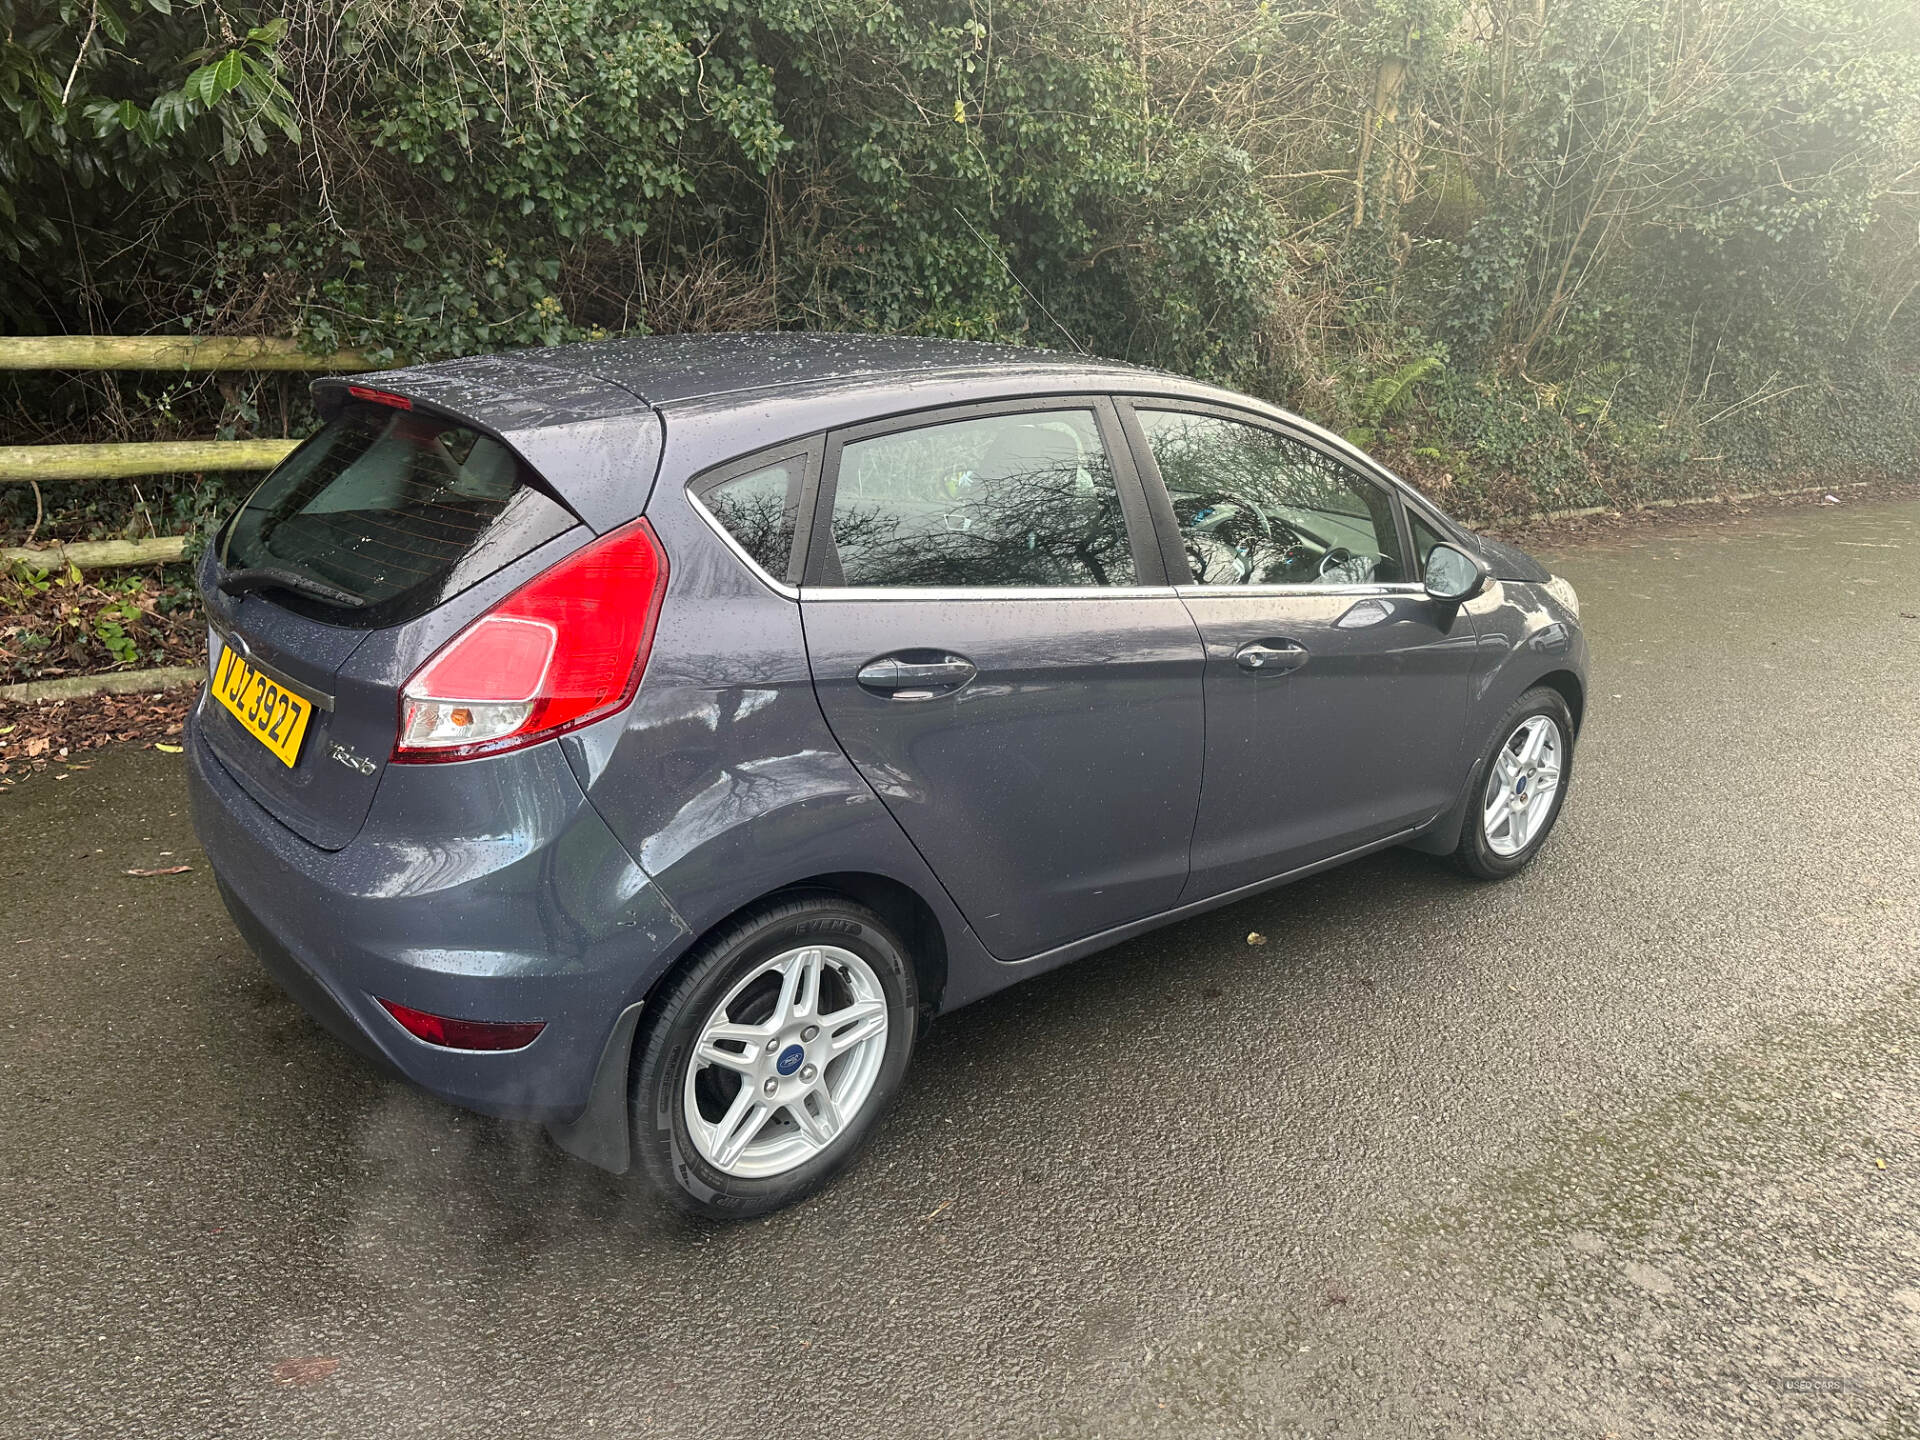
[1270, 657]
[899, 678]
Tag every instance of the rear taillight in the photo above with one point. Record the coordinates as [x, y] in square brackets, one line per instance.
[560, 652]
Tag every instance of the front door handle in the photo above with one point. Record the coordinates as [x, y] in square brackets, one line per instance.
[1270, 657]
[899, 677]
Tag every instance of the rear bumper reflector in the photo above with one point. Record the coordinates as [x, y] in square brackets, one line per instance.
[451, 1034]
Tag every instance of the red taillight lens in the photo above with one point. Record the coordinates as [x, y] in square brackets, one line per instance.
[464, 1034]
[500, 659]
[563, 650]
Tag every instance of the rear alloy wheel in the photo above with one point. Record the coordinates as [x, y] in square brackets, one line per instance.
[769, 1058]
[785, 1060]
[1519, 787]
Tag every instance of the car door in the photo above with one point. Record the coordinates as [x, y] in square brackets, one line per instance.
[996, 648]
[1336, 689]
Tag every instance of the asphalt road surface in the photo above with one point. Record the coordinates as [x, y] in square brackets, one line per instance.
[1627, 1146]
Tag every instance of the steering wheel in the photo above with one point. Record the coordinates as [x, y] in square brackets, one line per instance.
[1212, 558]
[1337, 556]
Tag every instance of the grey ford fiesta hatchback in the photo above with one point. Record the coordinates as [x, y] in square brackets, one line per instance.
[648, 738]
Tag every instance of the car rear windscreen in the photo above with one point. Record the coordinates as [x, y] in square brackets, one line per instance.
[396, 508]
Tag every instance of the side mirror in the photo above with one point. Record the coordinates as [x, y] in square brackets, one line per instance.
[1453, 575]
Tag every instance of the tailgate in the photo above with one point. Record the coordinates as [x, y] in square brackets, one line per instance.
[321, 800]
[338, 576]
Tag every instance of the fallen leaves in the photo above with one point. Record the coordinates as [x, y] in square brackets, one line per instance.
[37, 737]
[163, 870]
[61, 629]
[305, 1369]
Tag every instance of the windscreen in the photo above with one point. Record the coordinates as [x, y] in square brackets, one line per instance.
[394, 509]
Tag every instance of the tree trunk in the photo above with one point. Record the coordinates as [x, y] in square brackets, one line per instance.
[119, 682]
[1384, 111]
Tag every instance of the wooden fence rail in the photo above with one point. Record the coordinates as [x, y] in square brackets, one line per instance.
[168, 352]
[30, 464]
[122, 462]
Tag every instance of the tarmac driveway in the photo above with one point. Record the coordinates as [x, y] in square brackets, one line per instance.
[1627, 1146]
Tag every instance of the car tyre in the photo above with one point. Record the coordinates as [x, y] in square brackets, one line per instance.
[1496, 842]
[866, 968]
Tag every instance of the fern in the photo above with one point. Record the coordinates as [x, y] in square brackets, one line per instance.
[1385, 396]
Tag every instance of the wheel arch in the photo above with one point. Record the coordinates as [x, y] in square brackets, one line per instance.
[1443, 833]
[902, 907]
[893, 900]
[1571, 690]
[602, 1133]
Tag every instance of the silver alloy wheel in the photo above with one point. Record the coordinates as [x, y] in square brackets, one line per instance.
[1520, 789]
[765, 1094]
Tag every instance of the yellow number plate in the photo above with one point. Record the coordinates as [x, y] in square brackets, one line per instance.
[275, 717]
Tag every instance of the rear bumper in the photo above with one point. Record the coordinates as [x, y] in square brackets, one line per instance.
[493, 894]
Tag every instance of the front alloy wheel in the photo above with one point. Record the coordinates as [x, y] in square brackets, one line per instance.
[1519, 786]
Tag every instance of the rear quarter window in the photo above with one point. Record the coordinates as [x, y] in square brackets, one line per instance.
[397, 508]
[759, 510]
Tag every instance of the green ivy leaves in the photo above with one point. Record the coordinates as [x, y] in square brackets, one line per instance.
[65, 62]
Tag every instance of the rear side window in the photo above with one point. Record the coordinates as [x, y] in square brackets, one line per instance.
[758, 510]
[1004, 500]
[397, 509]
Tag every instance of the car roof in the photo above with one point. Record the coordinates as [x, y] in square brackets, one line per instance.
[598, 379]
[671, 370]
[575, 406]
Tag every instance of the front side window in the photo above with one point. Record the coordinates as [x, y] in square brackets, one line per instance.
[1024, 499]
[1257, 508]
[758, 511]
[1425, 537]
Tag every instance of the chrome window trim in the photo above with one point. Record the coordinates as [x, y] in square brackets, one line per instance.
[1319, 591]
[950, 593]
[778, 587]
